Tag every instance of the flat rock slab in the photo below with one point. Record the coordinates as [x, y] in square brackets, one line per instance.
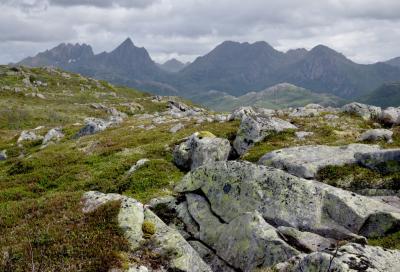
[306, 161]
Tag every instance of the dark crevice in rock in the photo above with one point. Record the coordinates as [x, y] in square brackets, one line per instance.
[201, 193]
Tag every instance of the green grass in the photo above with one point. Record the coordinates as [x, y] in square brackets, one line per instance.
[52, 234]
[391, 241]
[354, 177]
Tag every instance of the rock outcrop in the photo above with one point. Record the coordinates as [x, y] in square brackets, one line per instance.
[134, 220]
[305, 161]
[234, 188]
[390, 116]
[254, 129]
[364, 111]
[201, 148]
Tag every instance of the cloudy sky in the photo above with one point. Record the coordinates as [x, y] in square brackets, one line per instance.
[364, 30]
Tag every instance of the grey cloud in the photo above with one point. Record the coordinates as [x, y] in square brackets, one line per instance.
[361, 29]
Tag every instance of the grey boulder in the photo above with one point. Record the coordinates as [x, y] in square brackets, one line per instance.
[28, 136]
[364, 111]
[390, 116]
[201, 148]
[376, 135]
[246, 242]
[254, 129]
[306, 161]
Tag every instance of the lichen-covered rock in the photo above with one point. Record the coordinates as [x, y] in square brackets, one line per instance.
[390, 116]
[233, 188]
[364, 111]
[350, 258]
[216, 263]
[306, 161]
[171, 243]
[305, 112]
[385, 161]
[139, 224]
[201, 148]
[254, 129]
[306, 241]
[54, 134]
[245, 242]
[376, 135]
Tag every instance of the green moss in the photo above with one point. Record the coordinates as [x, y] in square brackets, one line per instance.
[205, 134]
[354, 177]
[148, 228]
[391, 241]
[272, 142]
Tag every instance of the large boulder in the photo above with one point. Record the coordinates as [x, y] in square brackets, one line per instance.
[140, 224]
[376, 135]
[364, 111]
[306, 161]
[390, 116]
[254, 129]
[201, 148]
[245, 242]
[351, 257]
[233, 188]
[385, 161]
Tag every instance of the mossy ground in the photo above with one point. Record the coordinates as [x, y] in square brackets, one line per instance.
[40, 212]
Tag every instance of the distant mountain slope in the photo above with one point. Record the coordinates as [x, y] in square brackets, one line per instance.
[232, 67]
[394, 62]
[385, 96]
[63, 56]
[282, 95]
[325, 70]
[126, 65]
[172, 65]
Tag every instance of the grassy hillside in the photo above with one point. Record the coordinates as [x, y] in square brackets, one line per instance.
[277, 97]
[41, 224]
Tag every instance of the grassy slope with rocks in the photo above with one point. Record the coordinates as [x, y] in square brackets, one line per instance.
[40, 188]
[40, 218]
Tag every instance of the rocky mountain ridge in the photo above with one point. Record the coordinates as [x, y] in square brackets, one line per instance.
[234, 68]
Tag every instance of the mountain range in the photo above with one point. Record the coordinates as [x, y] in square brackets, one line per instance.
[232, 68]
